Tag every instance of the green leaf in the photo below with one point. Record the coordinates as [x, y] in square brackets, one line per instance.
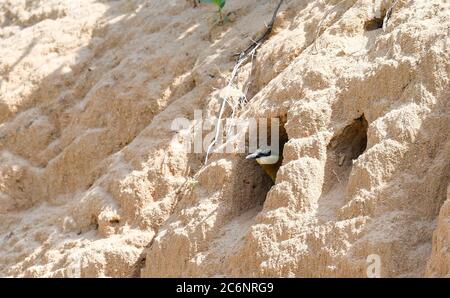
[219, 3]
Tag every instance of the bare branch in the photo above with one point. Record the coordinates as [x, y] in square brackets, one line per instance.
[265, 35]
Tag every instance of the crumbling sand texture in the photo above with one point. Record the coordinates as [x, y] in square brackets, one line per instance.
[94, 182]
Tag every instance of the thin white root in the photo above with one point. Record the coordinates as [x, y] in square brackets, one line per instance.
[225, 100]
[250, 51]
[389, 15]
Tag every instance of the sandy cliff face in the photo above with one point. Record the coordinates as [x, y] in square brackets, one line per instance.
[94, 181]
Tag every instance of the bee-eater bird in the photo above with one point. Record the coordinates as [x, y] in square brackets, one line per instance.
[269, 161]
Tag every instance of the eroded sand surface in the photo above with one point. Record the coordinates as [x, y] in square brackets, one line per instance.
[93, 180]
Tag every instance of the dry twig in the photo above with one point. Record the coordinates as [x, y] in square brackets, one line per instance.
[265, 35]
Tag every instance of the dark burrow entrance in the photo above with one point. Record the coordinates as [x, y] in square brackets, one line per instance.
[352, 142]
[252, 182]
[373, 24]
[343, 149]
[376, 22]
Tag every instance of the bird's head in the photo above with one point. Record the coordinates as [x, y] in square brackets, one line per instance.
[264, 156]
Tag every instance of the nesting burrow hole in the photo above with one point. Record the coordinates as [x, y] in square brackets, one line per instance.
[373, 24]
[376, 22]
[343, 149]
[252, 183]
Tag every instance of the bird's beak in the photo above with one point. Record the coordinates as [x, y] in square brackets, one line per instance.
[252, 156]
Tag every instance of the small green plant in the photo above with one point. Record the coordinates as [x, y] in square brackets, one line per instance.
[220, 4]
